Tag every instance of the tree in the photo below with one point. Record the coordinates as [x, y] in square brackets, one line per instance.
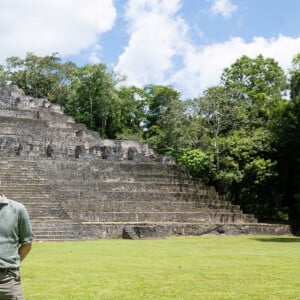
[35, 75]
[287, 141]
[60, 89]
[41, 77]
[235, 120]
[248, 174]
[218, 113]
[199, 163]
[295, 77]
[133, 112]
[259, 84]
[166, 118]
[3, 76]
[288, 145]
[93, 99]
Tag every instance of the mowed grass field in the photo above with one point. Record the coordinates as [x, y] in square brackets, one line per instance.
[207, 267]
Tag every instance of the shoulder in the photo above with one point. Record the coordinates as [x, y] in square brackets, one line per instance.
[17, 205]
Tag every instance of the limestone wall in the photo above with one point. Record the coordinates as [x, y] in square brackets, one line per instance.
[13, 97]
[36, 127]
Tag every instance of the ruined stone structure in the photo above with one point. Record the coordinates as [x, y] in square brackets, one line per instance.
[76, 185]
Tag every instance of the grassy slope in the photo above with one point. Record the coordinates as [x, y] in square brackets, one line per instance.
[174, 268]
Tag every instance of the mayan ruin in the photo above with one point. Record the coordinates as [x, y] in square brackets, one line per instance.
[76, 185]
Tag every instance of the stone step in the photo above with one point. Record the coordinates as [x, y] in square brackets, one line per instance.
[159, 230]
[107, 179]
[41, 204]
[17, 181]
[163, 217]
[150, 206]
[10, 114]
[55, 221]
[6, 169]
[164, 229]
[28, 193]
[116, 177]
[42, 190]
[42, 199]
[34, 199]
[99, 168]
[62, 230]
[27, 196]
[136, 196]
[38, 128]
[131, 186]
[47, 214]
[16, 184]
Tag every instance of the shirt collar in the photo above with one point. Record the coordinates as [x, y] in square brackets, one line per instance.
[4, 200]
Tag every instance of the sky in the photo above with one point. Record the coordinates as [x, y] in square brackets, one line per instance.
[182, 43]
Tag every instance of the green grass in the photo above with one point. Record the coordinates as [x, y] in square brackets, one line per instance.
[247, 267]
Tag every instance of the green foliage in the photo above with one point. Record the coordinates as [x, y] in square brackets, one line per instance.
[236, 129]
[295, 77]
[199, 163]
[287, 143]
[254, 78]
[93, 99]
[166, 119]
[61, 89]
[297, 204]
[218, 115]
[259, 84]
[244, 151]
[3, 76]
[260, 170]
[248, 173]
[41, 77]
[35, 75]
[133, 113]
[218, 110]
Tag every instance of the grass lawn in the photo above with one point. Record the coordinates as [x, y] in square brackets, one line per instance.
[207, 267]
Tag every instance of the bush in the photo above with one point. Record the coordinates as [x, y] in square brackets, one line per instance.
[199, 163]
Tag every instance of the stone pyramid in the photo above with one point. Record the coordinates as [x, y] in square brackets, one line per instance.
[76, 185]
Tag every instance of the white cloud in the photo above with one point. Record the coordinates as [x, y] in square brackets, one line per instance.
[223, 7]
[156, 36]
[203, 67]
[94, 54]
[47, 26]
[159, 38]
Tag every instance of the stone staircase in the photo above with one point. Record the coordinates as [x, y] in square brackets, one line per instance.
[105, 199]
[78, 186]
[21, 182]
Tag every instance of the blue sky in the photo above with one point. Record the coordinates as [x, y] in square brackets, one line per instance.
[183, 43]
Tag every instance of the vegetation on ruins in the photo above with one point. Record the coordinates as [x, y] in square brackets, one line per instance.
[241, 136]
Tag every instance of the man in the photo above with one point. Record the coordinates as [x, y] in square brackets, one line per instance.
[15, 243]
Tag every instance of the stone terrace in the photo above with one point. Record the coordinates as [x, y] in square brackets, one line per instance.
[76, 185]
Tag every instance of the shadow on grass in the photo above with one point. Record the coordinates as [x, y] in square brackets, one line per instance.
[278, 239]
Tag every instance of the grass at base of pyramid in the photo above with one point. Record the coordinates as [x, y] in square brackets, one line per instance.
[185, 268]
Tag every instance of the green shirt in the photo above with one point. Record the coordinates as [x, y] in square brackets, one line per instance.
[15, 229]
